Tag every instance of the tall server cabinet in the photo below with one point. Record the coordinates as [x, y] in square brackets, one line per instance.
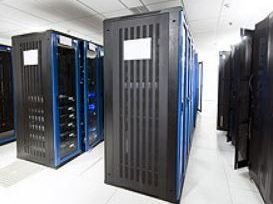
[92, 90]
[46, 75]
[6, 96]
[269, 131]
[258, 165]
[242, 98]
[261, 165]
[144, 88]
[223, 91]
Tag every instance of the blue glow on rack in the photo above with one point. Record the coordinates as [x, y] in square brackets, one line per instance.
[92, 107]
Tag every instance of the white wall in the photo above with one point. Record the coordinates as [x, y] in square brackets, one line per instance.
[208, 48]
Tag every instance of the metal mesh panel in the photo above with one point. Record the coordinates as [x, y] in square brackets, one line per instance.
[33, 102]
[139, 109]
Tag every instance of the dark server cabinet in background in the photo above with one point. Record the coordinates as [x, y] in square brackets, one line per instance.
[147, 88]
[261, 162]
[47, 86]
[92, 94]
[269, 118]
[6, 96]
[258, 165]
[239, 128]
[223, 91]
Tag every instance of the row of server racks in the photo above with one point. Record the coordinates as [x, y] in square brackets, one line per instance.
[6, 96]
[151, 87]
[245, 103]
[57, 93]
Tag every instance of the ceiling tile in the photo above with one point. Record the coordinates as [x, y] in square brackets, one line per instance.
[163, 5]
[103, 6]
[123, 12]
[21, 18]
[131, 3]
[155, 1]
[51, 10]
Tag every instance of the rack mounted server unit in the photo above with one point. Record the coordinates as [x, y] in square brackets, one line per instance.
[92, 94]
[47, 87]
[223, 91]
[147, 102]
[6, 96]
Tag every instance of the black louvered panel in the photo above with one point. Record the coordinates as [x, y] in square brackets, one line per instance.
[138, 109]
[34, 111]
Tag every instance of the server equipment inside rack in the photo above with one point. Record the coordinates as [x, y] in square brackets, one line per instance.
[92, 103]
[6, 96]
[47, 86]
[223, 91]
[148, 97]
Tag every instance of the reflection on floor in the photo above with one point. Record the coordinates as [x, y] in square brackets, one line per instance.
[210, 176]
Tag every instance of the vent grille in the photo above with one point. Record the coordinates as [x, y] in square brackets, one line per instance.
[139, 109]
[33, 101]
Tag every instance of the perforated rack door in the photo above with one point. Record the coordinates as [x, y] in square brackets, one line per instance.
[136, 106]
[6, 92]
[33, 98]
[243, 103]
[223, 91]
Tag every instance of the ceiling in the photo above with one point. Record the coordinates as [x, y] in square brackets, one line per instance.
[82, 18]
[214, 23]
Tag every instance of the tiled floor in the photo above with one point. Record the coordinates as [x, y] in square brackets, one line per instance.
[210, 176]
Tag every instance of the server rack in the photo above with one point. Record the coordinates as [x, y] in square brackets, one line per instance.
[232, 102]
[92, 94]
[6, 96]
[200, 93]
[242, 99]
[47, 87]
[260, 164]
[146, 95]
[196, 86]
[223, 91]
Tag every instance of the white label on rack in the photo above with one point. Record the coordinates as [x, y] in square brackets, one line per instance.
[65, 40]
[139, 49]
[30, 57]
[102, 53]
[92, 47]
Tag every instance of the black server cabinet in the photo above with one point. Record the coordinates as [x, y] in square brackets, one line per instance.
[269, 132]
[91, 94]
[223, 91]
[6, 96]
[235, 59]
[242, 99]
[258, 147]
[144, 102]
[261, 129]
[46, 75]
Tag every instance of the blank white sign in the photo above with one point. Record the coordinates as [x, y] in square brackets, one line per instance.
[139, 49]
[65, 40]
[30, 57]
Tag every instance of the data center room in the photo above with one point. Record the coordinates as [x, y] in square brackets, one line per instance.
[136, 101]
